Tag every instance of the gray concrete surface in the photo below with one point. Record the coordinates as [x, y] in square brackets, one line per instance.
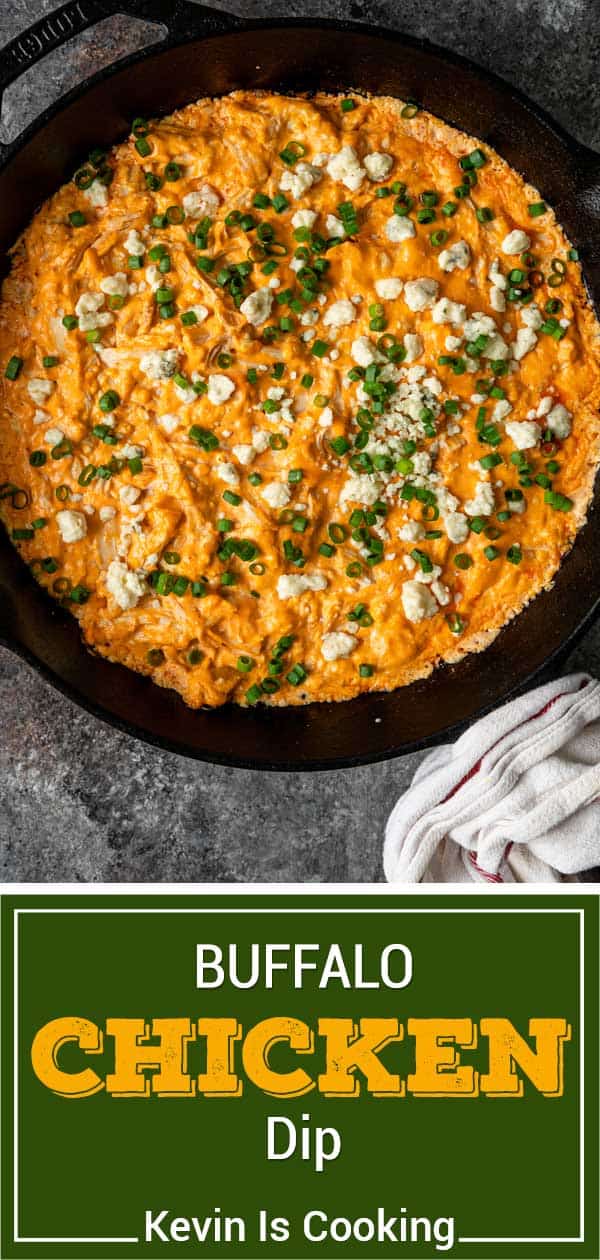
[81, 802]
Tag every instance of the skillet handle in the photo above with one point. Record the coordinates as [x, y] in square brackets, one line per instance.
[182, 19]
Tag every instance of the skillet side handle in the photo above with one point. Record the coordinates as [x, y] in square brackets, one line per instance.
[181, 19]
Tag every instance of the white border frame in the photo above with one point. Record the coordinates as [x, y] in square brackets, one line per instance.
[258, 890]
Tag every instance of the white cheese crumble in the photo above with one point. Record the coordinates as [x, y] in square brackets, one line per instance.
[220, 388]
[304, 218]
[559, 421]
[277, 494]
[413, 344]
[337, 645]
[291, 584]
[169, 421]
[300, 179]
[483, 503]
[203, 201]
[525, 341]
[378, 166]
[497, 299]
[97, 194]
[363, 352]
[89, 313]
[339, 314]
[72, 525]
[134, 243]
[334, 226]
[125, 586]
[159, 365]
[346, 169]
[227, 473]
[447, 312]
[388, 288]
[524, 433]
[417, 601]
[458, 255]
[256, 308]
[411, 532]
[115, 286]
[244, 453]
[39, 389]
[501, 410]
[399, 228]
[200, 311]
[457, 527]
[420, 294]
[53, 436]
[515, 242]
[129, 495]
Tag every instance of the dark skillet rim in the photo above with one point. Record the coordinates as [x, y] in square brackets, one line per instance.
[446, 734]
[582, 154]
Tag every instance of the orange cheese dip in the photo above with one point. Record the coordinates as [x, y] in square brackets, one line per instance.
[299, 397]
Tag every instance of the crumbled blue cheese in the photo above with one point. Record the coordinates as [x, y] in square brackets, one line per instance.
[304, 218]
[115, 286]
[53, 436]
[202, 201]
[220, 388]
[334, 226]
[417, 601]
[134, 243]
[339, 314]
[39, 389]
[291, 584]
[456, 526]
[515, 242]
[447, 312]
[125, 586]
[457, 255]
[346, 169]
[277, 494]
[559, 421]
[256, 308]
[200, 311]
[388, 288]
[501, 410]
[399, 228]
[89, 314]
[363, 352]
[97, 194]
[244, 453]
[421, 294]
[227, 473]
[525, 341]
[169, 421]
[412, 531]
[363, 488]
[337, 645]
[482, 503]
[298, 180]
[378, 166]
[524, 433]
[72, 525]
[413, 344]
[159, 365]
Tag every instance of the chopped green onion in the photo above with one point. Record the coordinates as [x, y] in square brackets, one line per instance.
[109, 400]
[204, 438]
[13, 367]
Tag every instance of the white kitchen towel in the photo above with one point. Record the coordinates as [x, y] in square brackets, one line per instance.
[515, 800]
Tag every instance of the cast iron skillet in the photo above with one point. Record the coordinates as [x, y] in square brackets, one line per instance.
[208, 53]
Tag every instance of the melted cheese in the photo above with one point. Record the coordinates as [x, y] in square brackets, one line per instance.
[262, 468]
